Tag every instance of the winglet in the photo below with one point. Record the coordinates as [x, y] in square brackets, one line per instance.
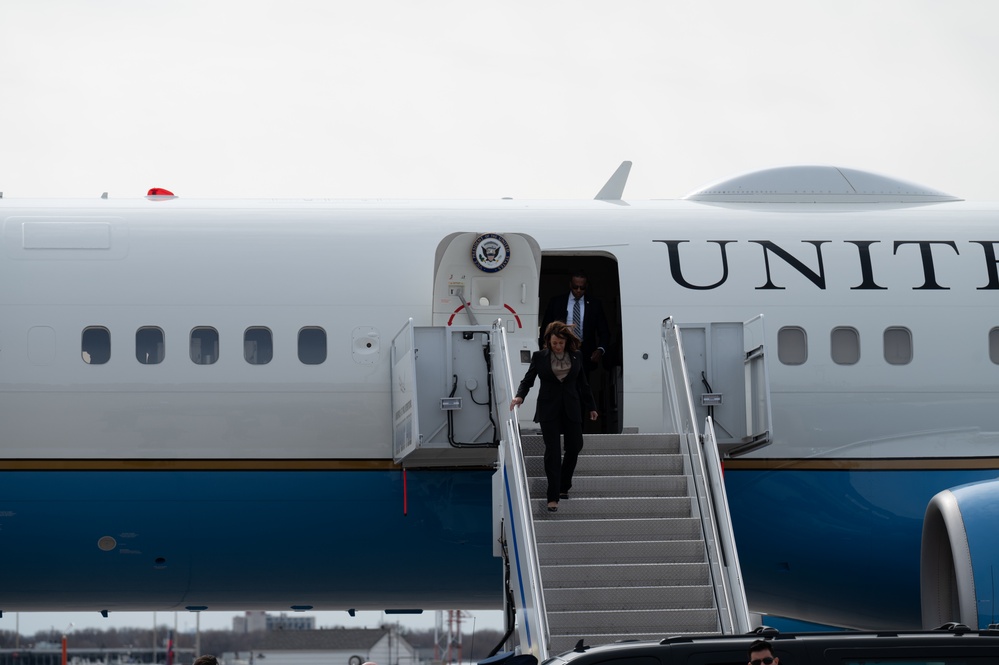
[614, 189]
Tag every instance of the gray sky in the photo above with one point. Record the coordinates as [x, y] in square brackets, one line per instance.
[461, 99]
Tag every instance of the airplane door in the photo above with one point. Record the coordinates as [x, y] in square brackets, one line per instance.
[482, 277]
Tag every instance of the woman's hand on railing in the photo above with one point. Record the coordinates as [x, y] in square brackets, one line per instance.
[515, 402]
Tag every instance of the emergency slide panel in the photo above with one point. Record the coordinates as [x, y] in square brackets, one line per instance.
[405, 419]
[759, 421]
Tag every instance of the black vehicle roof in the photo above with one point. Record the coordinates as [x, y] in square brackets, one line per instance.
[670, 649]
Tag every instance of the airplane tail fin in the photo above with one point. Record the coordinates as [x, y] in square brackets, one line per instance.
[613, 190]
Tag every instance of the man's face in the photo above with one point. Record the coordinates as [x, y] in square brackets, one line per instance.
[763, 657]
[578, 286]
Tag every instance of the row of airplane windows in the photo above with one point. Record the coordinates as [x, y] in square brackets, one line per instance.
[258, 345]
[150, 348]
[844, 343]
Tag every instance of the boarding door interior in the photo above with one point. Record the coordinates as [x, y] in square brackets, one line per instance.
[729, 380]
[480, 277]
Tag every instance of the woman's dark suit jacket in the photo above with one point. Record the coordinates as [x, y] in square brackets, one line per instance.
[570, 397]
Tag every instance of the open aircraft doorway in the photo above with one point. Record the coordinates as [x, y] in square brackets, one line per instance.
[604, 285]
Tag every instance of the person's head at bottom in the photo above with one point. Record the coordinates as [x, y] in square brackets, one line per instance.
[762, 653]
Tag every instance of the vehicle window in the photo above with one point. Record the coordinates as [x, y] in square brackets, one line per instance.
[994, 345]
[204, 345]
[845, 346]
[312, 346]
[149, 345]
[725, 658]
[634, 660]
[95, 347]
[792, 345]
[258, 348]
[944, 659]
[898, 346]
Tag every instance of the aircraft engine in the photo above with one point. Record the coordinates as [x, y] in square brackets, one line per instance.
[959, 558]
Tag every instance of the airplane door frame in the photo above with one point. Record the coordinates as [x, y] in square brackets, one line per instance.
[604, 284]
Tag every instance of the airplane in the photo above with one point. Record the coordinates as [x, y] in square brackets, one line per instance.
[196, 395]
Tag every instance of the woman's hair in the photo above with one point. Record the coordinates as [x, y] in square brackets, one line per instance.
[568, 333]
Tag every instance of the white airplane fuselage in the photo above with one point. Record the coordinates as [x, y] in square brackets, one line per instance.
[226, 484]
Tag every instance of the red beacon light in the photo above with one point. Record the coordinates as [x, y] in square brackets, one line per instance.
[159, 194]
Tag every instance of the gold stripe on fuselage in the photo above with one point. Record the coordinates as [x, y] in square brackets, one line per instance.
[197, 465]
[856, 464]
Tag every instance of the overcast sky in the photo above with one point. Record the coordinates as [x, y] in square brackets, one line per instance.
[465, 99]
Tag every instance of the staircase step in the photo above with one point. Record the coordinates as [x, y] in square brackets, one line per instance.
[613, 444]
[561, 554]
[679, 506]
[583, 624]
[614, 465]
[584, 486]
[611, 530]
[630, 598]
[625, 575]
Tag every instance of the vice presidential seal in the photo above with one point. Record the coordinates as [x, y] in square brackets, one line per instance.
[490, 252]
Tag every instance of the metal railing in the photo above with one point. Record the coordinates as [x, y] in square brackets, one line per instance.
[726, 534]
[518, 523]
[710, 502]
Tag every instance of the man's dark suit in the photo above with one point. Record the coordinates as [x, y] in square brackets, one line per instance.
[596, 332]
[561, 405]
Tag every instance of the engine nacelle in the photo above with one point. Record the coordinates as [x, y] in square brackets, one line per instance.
[959, 558]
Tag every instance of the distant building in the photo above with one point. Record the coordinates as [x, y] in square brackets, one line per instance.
[293, 622]
[258, 620]
[336, 646]
[249, 622]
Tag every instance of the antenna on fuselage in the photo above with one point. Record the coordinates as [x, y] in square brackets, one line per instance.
[613, 190]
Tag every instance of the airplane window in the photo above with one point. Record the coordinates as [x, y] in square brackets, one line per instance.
[204, 346]
[258, 349]
[792, 345]
[149, 345]
[312, 346]
[898, 346]
[845, 346]
[96, 345]
[994, 345]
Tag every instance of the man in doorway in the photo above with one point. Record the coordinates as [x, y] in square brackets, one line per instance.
[587, 315]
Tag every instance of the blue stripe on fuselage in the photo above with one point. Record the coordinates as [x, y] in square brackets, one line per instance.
[838, 547]
[331, 539]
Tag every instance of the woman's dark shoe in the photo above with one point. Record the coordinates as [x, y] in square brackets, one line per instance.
[553, 506]
[563, 495]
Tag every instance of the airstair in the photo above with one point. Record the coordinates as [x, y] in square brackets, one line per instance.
[643, 548]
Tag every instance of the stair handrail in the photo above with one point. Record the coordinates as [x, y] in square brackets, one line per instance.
[726, 536]
[677, 396]
[679, 402]
[515, 504]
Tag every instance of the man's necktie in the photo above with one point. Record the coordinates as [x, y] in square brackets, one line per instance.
[575, 319]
